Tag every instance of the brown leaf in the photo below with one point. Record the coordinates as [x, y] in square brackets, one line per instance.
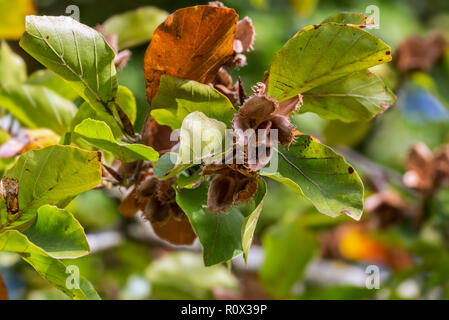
[129, 206]
[176, 230]
[155, 211]
[386, 208]
[9, 190]
[418, 53]
[420, 168]
[3, 289]
[245, 34]
[139, 196]
[192, 43]
[157, 136]
[442, 167]
[223, 83]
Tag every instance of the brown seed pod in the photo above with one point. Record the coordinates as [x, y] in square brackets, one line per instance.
[155, 211]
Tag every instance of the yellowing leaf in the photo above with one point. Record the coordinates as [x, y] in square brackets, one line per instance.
[28, 140]
[319, 54]
[12, 16]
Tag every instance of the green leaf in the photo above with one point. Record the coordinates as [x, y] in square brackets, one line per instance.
[201, 139]
[12, 67]
[350, 18]
[288, 249]
[182, 275]
[49, 268]
[100, 135]
[321, 175]
[54, 176]
[58, 233]
[165, 165]
[135, 27]
[336, 132]
[219, 233]
[38, 107]
[52, 81]
[125, 99]
[85, 111]
[176, 98]
[188, 178]
[253, 208]
[77, 53]
[321, 53]
[355, 97]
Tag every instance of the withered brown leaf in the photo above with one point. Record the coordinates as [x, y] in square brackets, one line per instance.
[418, 53]
[386, 208]
[9, 190]
[192, 43]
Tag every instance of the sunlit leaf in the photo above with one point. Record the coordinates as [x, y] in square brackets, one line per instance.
[176, 98]
[319, 54]
[36, 106]
[201, 139]
[48, 268]
[321, 175]
[127, 102]
[54, 82]
[85, 111]
[350, 18]
[100, 135]
[192, 43]
[355, 97]
[53, 175]
[12, 67]
[124, 98]
[58, 233]
[77, 53]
